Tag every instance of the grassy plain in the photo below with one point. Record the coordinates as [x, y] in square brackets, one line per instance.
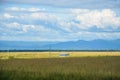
[26, 55]
[77, 66]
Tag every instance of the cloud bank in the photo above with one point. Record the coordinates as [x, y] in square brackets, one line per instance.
[91, 4]
[60, 20]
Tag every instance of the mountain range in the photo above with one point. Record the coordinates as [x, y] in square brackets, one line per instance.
[98, 44]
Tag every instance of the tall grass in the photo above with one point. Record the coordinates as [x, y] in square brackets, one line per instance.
[87, 68]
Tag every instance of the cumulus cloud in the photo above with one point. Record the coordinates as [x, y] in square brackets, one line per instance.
[82, 19]
[22, 28]
[101, 19]
[85, 20]
[74, 24]
[48, 17]
[27, 28]
[77, 20]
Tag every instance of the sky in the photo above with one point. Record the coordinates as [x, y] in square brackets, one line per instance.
[59, 20]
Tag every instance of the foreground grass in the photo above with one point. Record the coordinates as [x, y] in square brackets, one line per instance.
[83, 68]
[29, 55]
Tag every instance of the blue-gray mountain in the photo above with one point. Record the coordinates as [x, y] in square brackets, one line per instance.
[22, 45]
[70, 45]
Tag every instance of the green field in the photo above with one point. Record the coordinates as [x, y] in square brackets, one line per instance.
[83, 67]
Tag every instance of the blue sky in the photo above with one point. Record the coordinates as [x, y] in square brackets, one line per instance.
[59, 20]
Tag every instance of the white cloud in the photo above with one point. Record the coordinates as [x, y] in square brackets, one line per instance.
[7, 16]
[11, 25]
[96, 35]
[101, 19]
[31, 9]
[73, 25]
[22, 28]
[13, 9]
[42, 16]
[79, 11]
[48, 17]
[85, 19]
[34, 9]
[28, 28]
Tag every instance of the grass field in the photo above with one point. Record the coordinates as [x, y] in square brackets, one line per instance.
[39, 66]
[25, 55]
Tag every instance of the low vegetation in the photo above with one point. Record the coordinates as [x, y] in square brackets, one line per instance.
[70, 68]
[29, 55]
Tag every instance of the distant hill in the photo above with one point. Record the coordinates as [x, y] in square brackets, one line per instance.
[70, 45]
[87, 45]
[23, 45]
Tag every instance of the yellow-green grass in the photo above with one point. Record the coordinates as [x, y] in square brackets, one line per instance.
[25, 55]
